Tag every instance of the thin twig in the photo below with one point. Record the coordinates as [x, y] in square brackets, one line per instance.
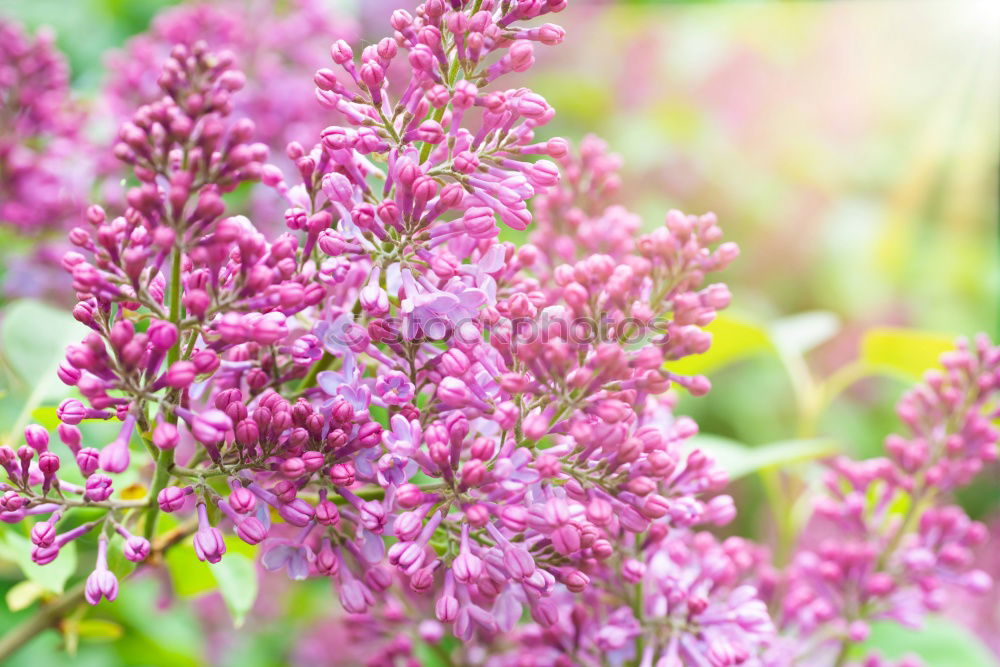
[50, 614]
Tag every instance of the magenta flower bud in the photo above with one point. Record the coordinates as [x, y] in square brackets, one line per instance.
[180, 374]
[370, 434]
[372, 75]
[48, 463]
[197, 302]
[285, 491]
[162, 335]
[210, 427]
[858, 631]
[408, 525]
[474, 473]
[208, 543]
[10, 501]
[247, 433]
[409, 496]
[298, 512]
[422, 580]
[101, 583]
[137, 548]
[242, 500]
[89, 460]
[312, 460]
[655, 506]
[466, 163]
[70, 436]
[292, 467]
[576, 581]
[114, 458]
[172, 498]
[430, 131]
[341, 52]
[98, 487]
[327, 513]
[720, 510]
[467, 567]
[372, 516]
[566, 539]
[446, 608]
[251, 530]
[453, 392]
[45, 555]
[166, 435]
[633, 570]
[36, 437]
[326, 560]
[518, 562]
[545, 613]
[879, 584]
[613, 411]
[43, 534]
[332, 243]
[522, 56]
[71, 411]
[514, 517]
[355, 597]
[68, 375]
[269, 329]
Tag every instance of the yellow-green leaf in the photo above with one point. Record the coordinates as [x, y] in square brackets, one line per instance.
[23, 594]
[52, 577]
[906, 353]
[733, 339]
[99, 629]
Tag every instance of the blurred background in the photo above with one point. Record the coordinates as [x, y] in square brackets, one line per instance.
[850, 148]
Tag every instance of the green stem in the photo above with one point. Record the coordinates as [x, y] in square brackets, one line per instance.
[166, 457]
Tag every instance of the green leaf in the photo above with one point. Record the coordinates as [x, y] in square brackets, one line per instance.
[237, 578]
[740, 460]
[733, 339]
[191, 576]
[430, 656]
[903, 352]
[941, 642]
[33, 337]
[23, 594]
[52, 577]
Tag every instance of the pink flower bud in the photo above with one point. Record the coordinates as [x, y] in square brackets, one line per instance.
[137, 549]
[89, 460]
[172, 498]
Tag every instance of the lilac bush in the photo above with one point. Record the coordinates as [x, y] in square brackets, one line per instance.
[464, 435]
[38, 127]
[277, 45]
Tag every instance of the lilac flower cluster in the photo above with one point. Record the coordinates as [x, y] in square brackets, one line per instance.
[363, 374]
[891, 549]
[38, 133]
[277, 45]
[442, 423]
